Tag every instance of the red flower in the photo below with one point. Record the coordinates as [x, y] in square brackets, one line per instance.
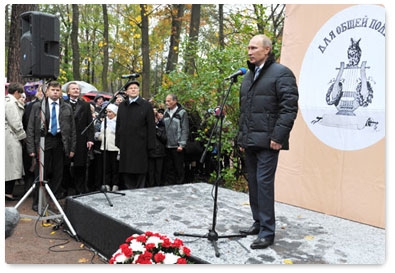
[129, 239]
[166, 243]
[177, 243]
[144, 258]
[187, 251]
[181, 261]
[149, 248]
[141, 238]
[159, 257]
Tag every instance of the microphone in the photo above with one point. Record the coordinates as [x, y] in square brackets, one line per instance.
[134, 75]
[241, 71]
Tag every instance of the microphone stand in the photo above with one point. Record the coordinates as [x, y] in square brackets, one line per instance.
[103, 188]
[212, 235]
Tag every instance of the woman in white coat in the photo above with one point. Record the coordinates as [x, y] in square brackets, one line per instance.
[14, 134]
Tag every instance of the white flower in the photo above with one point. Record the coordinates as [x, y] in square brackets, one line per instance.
[137, 246]
[154, 240]
[135, 250]
[170, 258]
[120, 258]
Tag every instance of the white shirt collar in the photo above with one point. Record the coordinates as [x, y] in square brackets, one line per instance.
[50, 101]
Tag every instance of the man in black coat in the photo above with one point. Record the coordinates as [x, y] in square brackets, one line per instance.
[268, 109]
[59, 133]
[134, 136]
[74, 174]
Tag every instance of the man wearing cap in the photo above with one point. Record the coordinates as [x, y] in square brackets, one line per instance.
[135, 136]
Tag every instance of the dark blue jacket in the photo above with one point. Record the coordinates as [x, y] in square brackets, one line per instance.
[268, 106]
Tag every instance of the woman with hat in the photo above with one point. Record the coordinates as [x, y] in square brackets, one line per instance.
[111, 177]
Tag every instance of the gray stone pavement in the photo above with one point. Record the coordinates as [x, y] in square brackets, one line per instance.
[302, 236]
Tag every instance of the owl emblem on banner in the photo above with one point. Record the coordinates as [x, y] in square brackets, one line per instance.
[349, 90]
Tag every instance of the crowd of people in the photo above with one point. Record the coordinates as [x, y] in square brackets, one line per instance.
[138, 143]
[126, 142]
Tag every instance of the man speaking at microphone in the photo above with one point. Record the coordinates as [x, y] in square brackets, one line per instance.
[268, 109]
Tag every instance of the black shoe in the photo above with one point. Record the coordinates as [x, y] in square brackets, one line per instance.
[253, 230]
[262, 243]
[9, 198]
[35, 208]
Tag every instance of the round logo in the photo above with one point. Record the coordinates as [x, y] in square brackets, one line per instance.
[342, 80]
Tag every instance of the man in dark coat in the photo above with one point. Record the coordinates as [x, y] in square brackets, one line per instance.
[134, 136]
[60, 142]
[74, 173]
[268, 109]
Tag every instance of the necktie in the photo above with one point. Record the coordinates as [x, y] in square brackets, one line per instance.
[54, 126]
[257, 70]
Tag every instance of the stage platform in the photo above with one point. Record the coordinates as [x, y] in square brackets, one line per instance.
[302, 236]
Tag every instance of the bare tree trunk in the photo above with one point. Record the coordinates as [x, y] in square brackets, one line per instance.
[145, 49]
[65, 10]
[177, 13]
[105, 49]
[74, 43]
[14, 49]
[193, 39]
[7, 26]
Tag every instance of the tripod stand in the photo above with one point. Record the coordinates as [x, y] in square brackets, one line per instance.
[103, 188]
[43, 185]
[212, 235]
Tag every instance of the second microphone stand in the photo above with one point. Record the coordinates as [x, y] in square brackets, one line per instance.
[212, 235]
[103, 188]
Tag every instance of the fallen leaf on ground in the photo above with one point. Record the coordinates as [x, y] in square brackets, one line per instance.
[83, 260]
[309, 237]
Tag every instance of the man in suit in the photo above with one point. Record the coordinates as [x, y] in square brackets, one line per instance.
[74, 173]
[56, 124]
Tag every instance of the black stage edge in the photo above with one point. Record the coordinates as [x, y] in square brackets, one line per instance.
[101, 231]
[98, 230]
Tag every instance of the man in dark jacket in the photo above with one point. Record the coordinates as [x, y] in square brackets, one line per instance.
[177, 132]
[268, 109]
[74, 173]
[156, 156]
[134, 136]
[59, 133]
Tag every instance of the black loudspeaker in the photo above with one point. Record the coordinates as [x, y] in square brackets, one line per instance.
[40, 45]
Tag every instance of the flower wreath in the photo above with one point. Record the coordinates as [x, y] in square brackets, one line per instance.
[151, 248]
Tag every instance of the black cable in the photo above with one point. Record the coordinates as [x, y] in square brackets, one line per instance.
[66, 241]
